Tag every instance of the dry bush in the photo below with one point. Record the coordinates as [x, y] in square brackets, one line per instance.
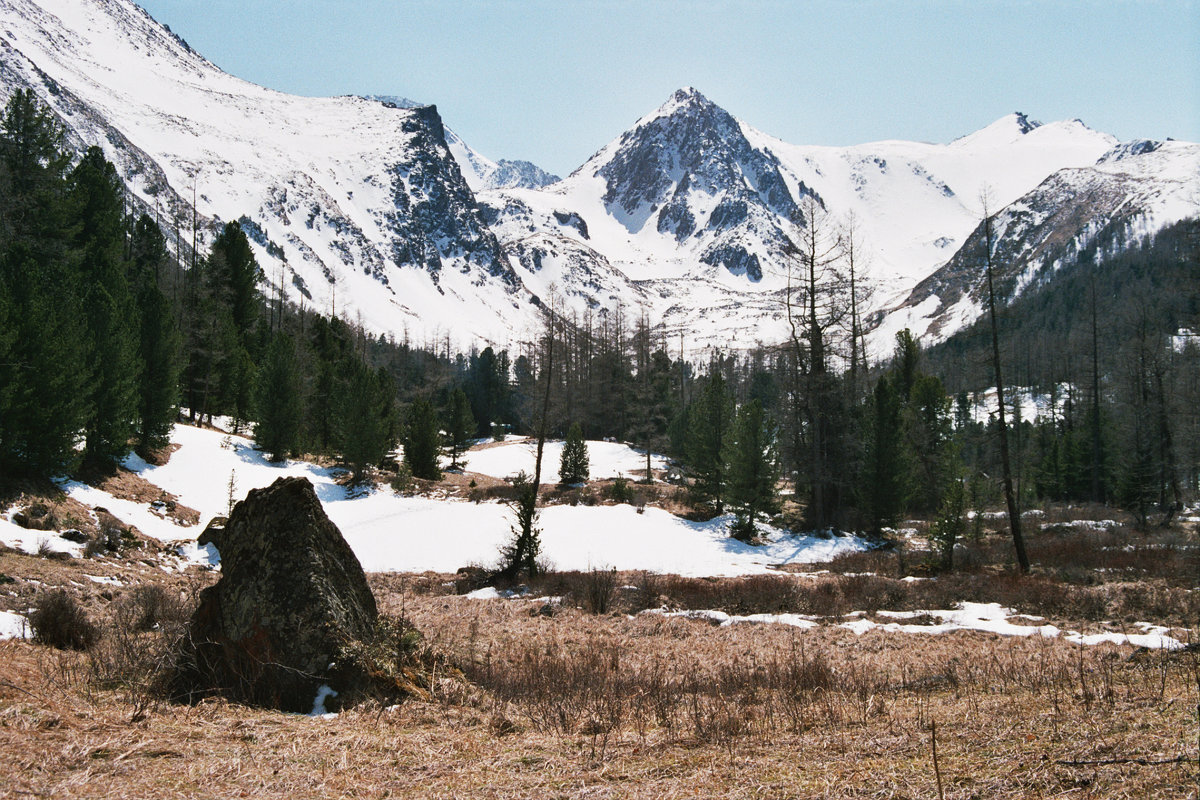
[149, 606]
[594, 591]
[139, 647]
[504, 492]
[394, 664]
[752, 594]
[60, 621]
[598, 590]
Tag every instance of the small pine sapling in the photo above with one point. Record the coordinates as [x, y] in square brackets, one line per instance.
[574, 465]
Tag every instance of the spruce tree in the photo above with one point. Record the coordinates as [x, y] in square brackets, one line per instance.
[97, 202]
[277, 400]
[886, 466]
[366, 423]
[158, 345]
[710, 421]
[43, 343]
[332, 348]
[233, 303]
[460, 426]
[574, 465]
[422, 441]
[753, 469]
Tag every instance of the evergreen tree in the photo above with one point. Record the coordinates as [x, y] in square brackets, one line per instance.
[233, 304]
[951, 522]
[158, 345]
[43, 354]
[330, 343]
[711, 419]
[422, 441]
[97, 201]
[277, 400]
[930, 440]
[753, 469]
[885, 463]
[574, 465]
[460, 426]
[242, 275]
[487, 389]
[367, 425]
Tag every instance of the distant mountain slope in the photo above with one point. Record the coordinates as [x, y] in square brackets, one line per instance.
[694, 214]
[1133, 190]
[373, 208]
[358, 202]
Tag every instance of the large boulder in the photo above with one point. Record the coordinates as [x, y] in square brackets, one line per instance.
[291, 596]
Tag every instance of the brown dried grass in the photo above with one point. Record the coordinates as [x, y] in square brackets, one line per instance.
[570, 709]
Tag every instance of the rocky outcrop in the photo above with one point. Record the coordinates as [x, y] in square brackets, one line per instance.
[291, 596]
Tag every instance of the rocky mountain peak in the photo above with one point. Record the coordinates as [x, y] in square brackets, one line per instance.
[689, 146]
[1024, 123]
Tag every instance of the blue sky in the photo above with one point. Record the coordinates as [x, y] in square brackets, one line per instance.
[552, 81]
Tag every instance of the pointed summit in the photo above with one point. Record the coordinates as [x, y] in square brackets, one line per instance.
[1006, 130]
[687, 101]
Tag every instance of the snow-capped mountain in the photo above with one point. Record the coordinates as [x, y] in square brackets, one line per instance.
[695, 214]
[1134, 189]
[480, 171]
[372, 207]
[354, 203]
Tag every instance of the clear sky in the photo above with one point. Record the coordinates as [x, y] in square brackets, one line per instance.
[552, 81]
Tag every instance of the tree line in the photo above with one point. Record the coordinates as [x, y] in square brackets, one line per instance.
[107, 332]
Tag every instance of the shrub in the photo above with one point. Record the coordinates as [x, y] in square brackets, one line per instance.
[149, 606]
[619, 491]
[395, 662]
[59, 621]
[599, 588]
[403, 483]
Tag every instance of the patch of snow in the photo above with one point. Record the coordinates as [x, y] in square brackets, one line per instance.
[32, 542]
[605, 460]
[14, 626]
[723, 620]
[1084, 524]
[994, 618]
[389, 532]
[323, 693]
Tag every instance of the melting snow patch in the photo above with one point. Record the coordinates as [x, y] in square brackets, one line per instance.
[323, 694]
[994, 618]
[192, 552]
[723, 620]
[1083, 524]
[104, 579]
[31, 541]
[14, 626]
[987, 617]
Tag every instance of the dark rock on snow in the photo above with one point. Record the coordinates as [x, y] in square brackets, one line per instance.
[291, 595]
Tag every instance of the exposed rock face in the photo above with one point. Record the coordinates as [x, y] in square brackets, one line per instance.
[291, 593]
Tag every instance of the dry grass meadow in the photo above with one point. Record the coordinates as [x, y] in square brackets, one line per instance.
[588, 699]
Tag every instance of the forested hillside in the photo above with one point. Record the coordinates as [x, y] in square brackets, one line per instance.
[107, 336]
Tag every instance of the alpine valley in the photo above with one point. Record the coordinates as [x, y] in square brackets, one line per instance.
[374, 209]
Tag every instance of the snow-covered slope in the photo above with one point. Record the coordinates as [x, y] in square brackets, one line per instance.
[372, 208]
[695, 214]
[1133, 190]
[358, 202]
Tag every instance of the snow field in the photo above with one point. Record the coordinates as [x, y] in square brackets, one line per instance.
[392, 533]
[605, 460]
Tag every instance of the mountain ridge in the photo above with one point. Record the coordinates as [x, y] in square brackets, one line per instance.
[374, 205]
